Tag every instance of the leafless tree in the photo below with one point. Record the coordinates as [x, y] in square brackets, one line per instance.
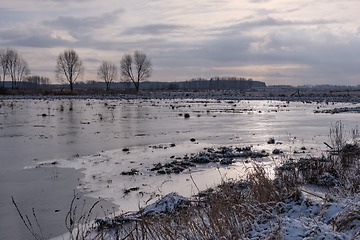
[4, 64]
[17, 67]
[69, 67]
[22, 70]
[107, 72]
[136, 68]
[13, 61]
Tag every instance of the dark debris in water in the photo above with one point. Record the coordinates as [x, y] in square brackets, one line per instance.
[172, 167]
[46, 164]
[133, 171]
[127, 191]
[221, 155]
[271, 141]
[339, 110]
[226, 155]
[162, 146]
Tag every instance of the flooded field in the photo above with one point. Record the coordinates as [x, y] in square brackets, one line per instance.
[49, 148]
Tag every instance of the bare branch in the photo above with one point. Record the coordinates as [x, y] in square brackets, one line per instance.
[126, 68]
[4, 61]
[140, 63]
[107, 72]
[69, 67]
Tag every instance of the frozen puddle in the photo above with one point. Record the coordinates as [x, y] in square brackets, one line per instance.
[124, 175]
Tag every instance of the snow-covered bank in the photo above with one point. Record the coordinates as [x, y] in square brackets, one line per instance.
[258, 207]
[299, 218]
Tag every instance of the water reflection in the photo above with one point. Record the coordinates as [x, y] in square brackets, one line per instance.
[134, 120]
[82, 127]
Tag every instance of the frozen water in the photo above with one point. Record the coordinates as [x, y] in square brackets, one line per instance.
[91, 134]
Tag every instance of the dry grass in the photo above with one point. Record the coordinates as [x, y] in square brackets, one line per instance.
[78, 221]
[338, 167]
[31, 224]
[230, 211]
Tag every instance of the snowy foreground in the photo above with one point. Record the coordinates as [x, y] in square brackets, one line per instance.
[300, 219]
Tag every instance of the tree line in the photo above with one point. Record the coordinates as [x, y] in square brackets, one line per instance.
[135, 68]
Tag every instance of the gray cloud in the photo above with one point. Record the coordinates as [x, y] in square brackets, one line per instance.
[9, 16]
[31, 38]
[268, 22]
[225, 49]
[75, 24]
[40, 41]
[326, 58]
[234, 43]
[153, 29]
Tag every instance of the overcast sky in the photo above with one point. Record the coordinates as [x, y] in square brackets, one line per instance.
[279, 42]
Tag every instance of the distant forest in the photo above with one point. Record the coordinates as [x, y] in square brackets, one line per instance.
[215, 83]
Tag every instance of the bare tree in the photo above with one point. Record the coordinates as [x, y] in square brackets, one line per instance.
[17, 67]
[13, 59]
[69, 67]
[107, 72]
[4, 62]
[135, 68]
[22, 70]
